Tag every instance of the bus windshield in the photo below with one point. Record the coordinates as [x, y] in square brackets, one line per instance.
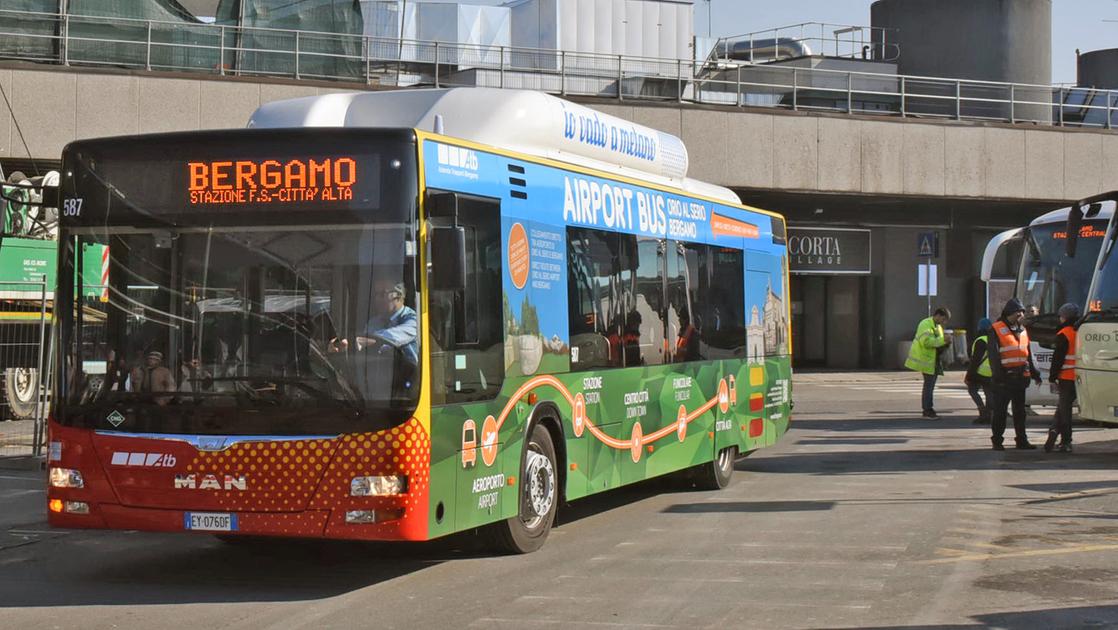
[1048, 278]
[287, 317]
[1103, 303]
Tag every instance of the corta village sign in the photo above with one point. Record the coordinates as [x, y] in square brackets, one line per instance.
[828, 250]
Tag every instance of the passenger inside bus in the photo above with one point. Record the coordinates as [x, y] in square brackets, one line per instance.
[153, 376]
[193, 377]
[687, 344]
[631, 340]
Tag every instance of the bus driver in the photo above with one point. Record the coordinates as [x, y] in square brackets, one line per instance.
[391, 325]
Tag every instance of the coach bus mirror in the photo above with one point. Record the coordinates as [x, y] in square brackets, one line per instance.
[50, 196]
[448, 258]
[1075, 220]
[442, 205]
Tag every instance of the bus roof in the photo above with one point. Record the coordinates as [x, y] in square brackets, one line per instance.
[523, 121]
[1061, 215]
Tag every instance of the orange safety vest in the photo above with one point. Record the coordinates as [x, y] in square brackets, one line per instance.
[1068, 371]
[1013, 349]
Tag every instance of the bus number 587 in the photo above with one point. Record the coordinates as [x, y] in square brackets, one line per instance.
[72, 207]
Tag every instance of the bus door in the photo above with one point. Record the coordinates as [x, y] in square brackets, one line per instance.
[466, 338]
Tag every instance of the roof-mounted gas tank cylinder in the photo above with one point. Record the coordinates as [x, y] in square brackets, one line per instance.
[533, 123]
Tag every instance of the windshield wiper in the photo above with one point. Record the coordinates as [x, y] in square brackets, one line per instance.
[305, 384]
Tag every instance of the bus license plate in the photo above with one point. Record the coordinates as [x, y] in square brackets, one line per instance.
[210, 521]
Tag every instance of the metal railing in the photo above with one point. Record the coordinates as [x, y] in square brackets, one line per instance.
[25, 367]
[260, 52]
[842, 41]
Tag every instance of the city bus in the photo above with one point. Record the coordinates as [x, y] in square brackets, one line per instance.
[1047, 278]
[1096, 369]
[400, 315]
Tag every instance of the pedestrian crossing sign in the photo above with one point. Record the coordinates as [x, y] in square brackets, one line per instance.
[927, 245]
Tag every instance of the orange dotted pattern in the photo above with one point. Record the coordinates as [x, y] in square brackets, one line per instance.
[291, 484]
[405, 449]
[294, 524]
[281, 476]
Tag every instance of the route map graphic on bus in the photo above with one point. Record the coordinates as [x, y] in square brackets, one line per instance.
[625, 424]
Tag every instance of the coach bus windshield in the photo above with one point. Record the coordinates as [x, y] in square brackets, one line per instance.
[1103, 302]
[1048, 278]
[215, 317]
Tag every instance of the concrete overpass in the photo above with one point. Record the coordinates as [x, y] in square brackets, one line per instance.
[893, 178]
[747, 149]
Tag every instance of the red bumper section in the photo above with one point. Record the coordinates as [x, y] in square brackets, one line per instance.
[297, 488]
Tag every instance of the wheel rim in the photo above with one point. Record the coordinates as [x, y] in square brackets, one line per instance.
[23, 384]
[539, 488]
[725, 459]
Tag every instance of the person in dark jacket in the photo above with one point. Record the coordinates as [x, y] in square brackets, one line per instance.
[1062, 375]
[979, 373]
[1011, 366]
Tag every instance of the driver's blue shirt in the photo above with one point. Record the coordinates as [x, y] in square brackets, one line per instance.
[398, 330]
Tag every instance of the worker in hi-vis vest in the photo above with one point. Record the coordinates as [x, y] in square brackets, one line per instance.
[978, 371]
[1062, 375]
[923, 356]
[1012, 367]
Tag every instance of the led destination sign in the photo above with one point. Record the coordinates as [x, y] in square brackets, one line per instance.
[1089, 230]
[271, 181]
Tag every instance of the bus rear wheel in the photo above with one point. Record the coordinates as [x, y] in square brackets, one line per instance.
[538, 498]
[717, 474]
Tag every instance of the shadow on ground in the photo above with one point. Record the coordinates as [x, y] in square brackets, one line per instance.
[1078, 617]
[1097, 455]
[137, 568]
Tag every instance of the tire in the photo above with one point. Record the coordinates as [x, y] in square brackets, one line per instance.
[20, 389]
[717, 474]
[538, 499]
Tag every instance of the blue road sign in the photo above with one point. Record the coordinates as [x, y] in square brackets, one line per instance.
[927, 245]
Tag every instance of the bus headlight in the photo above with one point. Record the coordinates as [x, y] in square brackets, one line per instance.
[66, 478]
[378, 486]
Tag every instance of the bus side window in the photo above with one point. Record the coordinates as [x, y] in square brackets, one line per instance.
[594, 298]
[467, 336]
[644, 325]
[725, 318]
[687, 290]
[768, 324]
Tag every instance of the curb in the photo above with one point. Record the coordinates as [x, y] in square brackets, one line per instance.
[23, 462]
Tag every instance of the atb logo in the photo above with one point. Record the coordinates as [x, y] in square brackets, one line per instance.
[457, 157]
[153, 460]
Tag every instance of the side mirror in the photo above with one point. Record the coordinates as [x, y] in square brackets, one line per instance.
[448, 258]
[442, 205]
[1075, 221]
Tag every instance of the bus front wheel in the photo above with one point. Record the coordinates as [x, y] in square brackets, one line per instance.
[538, 498]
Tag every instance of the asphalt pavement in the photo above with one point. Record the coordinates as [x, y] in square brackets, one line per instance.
[864, 515]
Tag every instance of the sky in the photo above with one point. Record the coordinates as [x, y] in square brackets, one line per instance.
[1075, 23]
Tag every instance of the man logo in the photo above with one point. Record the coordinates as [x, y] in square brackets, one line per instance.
[210, 482]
